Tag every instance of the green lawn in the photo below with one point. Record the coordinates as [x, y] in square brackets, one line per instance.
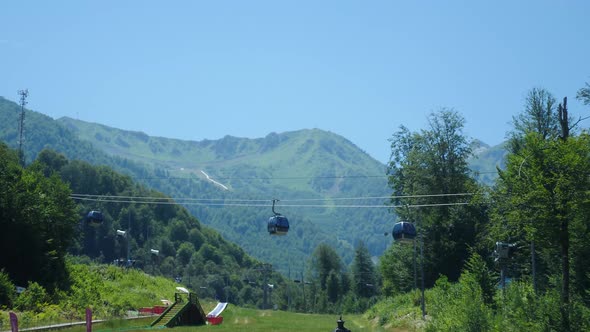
[252, 320]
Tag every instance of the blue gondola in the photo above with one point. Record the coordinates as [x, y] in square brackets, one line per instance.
[95, 217]
[277, 224]
[404, 231]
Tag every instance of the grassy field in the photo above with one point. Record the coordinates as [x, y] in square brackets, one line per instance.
[241, 319]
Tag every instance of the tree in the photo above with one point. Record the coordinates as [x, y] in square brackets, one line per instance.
[543, 194]
[52, 161]
[539, 116]
[327, 269]
[185, 252]
[36, 211]
[363, 272]
[325, 260]
[429, 170]
[584, 94]
[7, 290]
[396, 266]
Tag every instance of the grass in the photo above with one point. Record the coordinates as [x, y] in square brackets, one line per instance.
[252, 320]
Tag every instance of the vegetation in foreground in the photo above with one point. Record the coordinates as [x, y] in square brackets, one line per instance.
[476, 303]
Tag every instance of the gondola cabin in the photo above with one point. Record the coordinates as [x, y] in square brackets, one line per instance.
[404, 231]
[94, 217]
[278, 225]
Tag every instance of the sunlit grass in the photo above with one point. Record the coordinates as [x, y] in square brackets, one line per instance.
[242, 319]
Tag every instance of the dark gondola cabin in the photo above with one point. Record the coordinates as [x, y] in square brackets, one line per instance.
[278, 225]
[404, 231]
[94, 217]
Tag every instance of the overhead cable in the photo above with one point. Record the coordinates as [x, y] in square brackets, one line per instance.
[185, 199]
[110, 200]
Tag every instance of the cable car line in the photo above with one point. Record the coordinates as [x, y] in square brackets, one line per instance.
[177, 199]
[264, 205]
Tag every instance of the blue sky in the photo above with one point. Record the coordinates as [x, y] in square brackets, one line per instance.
[205, 69]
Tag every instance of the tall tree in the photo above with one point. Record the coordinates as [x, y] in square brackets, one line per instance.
[396, 267]
[326, 268]
[427, 172]
[543, 194]
[38, 222]
[538, 116]
[363, 272]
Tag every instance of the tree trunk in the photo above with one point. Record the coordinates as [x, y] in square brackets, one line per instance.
[565, 271]
[564, 236]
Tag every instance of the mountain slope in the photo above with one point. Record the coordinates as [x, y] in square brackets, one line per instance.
[229, 183]
[284, 166]
[305, 164]
[303, 153]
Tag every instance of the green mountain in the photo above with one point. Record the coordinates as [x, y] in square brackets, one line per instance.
[229, 183]
[309, 171]
[42, 225]
[317, 168]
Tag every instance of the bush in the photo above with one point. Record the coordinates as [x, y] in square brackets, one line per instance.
[34, 298]
[459, 307]
[7, 291]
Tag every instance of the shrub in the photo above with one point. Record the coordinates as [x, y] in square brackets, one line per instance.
[34, 298]
[7, 291]
[459, 307]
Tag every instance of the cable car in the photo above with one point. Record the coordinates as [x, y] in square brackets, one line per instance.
[277, 224]
[404, 231]
[95, 217]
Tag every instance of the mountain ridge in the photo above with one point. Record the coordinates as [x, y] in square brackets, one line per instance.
[309, 165]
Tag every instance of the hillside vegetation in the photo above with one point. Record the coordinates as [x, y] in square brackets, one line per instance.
[513, 256]
[294, 167]
[42, 224]
[308, 164]
[302, 168]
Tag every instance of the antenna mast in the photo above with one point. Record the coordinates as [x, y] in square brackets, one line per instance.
[23, 101]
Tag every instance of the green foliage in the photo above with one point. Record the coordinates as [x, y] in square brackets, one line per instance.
[38, 223]
[481, 273]
[460, 306]
[424, 168]
[539, 116]
[539, 191]
[465, 310]
[185, 252]
[584, 94]
[363, 272]
[34, 298]
[397, 269]
[400, 311]
[7, 290]
[325, 261]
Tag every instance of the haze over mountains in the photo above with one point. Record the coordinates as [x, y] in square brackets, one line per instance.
[331, 191]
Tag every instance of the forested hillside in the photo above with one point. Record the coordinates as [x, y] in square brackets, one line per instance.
[41, 224]
[302, 169]
[316, 167]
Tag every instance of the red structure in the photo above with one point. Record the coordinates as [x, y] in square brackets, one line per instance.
[215, 320]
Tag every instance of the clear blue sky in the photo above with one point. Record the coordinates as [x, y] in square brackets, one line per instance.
[205, 69]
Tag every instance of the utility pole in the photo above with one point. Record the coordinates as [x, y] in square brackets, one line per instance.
[564, 237]
[129, 235]
[21, 128]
